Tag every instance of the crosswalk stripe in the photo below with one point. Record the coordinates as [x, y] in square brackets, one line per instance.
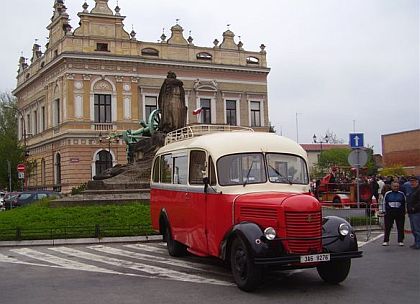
[6, 259]
[147, 248]
[151, 258]
[153, 270]
[68, 264]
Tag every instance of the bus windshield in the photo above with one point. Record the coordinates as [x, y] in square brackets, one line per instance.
[250, 168]
[241, 169]
[285, 168]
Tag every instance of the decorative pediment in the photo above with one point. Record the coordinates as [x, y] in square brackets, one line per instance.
[103, 85]
[206, 85]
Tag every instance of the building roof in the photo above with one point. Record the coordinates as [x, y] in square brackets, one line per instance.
[317, 147]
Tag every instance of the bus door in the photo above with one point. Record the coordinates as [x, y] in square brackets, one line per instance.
[196, 202]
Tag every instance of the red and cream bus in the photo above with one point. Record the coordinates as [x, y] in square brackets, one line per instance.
[244, 197]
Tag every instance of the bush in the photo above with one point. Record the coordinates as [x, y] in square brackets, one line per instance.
[79, 189]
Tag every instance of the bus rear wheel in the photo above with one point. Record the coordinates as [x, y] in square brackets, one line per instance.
[334, 272]
[246, 274]
[175, 249]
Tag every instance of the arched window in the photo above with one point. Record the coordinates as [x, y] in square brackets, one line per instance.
[150, 52]
[103, 161]
[252, 60]
[204, 56]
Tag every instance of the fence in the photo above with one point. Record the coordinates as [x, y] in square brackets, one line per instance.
[364, 218]
[94, 231]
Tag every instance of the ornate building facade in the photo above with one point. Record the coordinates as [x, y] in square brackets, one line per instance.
[98, 79]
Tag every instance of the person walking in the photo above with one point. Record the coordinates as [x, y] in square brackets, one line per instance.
[413, 210]
[394, 202]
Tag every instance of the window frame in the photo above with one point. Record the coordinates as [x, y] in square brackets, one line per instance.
[106, 107]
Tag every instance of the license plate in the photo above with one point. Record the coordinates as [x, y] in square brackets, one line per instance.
[313, 258]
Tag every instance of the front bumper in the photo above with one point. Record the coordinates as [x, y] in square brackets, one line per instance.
[295, 259]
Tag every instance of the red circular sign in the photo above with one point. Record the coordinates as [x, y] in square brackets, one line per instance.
[21, 167]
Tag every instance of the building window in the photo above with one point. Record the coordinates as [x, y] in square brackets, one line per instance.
[150, 52]
[252, 60]
[205, 104]
[231, 112]
[102, 108]
[43, 119]
[28, 124]
[150, 104]
[35, 122]
[103, 161]
[204, 56]
[58, 169]
[56, 112]
[43, 179]
[102, 47]
[255, 114]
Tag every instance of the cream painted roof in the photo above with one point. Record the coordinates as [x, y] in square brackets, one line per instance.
[219, 144]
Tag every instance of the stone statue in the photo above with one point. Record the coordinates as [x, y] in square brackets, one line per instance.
[171, 103]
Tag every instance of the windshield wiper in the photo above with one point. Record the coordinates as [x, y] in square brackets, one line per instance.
[249, 172]
[279, 174]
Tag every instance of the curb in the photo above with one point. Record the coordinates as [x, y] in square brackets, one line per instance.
[105, 240]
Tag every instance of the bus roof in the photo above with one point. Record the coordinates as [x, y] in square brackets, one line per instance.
[224, 143]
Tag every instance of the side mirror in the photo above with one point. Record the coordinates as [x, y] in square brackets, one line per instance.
[206, 183]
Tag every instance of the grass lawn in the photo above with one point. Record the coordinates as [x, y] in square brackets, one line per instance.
[40, 221]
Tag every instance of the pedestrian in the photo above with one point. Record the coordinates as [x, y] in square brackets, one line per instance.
[413, 210]
[381, 185]
[394, 202]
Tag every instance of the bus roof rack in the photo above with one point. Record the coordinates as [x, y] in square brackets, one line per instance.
[198, 130]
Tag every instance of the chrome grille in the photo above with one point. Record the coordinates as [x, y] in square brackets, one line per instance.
[307, 225]
[258, 213]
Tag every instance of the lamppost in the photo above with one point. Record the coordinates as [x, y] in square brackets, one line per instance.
[24, 138]
[109, 139]
[297, 126]
[322, 140]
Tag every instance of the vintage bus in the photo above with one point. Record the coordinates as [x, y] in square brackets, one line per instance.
[244, 197]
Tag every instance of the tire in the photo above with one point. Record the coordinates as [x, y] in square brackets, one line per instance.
[334, 272]
[175, 249]
[336, 201]
[246, 274]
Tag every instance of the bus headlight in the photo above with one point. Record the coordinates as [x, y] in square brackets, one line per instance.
[344, 229]
[270, 233]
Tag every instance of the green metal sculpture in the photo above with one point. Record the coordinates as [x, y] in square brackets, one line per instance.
[131, 137]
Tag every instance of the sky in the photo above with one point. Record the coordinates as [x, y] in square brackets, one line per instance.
[341, 66]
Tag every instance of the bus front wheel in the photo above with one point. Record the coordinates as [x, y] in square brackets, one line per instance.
[246, 274]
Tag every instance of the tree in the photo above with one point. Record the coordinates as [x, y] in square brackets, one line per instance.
[10, 149]
[339, 157]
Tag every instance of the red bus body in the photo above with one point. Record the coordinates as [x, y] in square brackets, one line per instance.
[251, 207]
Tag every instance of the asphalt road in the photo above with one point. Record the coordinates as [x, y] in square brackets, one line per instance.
[144, 273]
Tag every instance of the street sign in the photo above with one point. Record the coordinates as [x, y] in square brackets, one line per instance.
[356, 140]
[357, 158]
[21, 167]
[21, 175]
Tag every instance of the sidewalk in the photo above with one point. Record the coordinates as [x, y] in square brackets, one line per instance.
[127, 239]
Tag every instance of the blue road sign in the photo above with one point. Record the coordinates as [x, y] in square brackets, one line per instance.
[356, 140]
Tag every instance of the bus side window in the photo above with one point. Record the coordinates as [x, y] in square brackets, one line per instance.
[212, 172]
[180, 172]
[166, 169]
[197, 166]
[156, 170]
